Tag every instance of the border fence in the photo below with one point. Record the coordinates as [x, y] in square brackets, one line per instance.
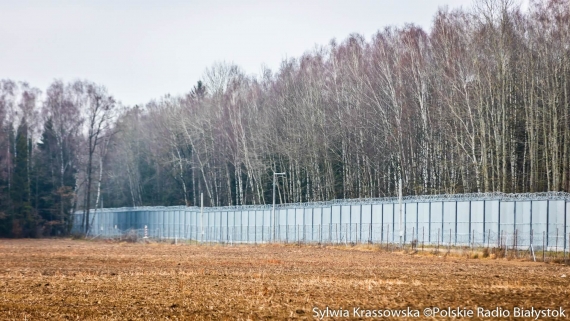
[538, 220]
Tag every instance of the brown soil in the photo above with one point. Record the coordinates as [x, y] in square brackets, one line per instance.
[72, 279]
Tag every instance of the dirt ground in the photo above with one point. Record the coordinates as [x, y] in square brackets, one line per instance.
[87, 280]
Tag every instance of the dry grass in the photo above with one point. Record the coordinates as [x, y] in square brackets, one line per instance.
[77, 279]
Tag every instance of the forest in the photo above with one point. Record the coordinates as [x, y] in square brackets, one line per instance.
[479, 103]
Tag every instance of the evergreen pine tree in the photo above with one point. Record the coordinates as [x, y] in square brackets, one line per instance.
[5, 178]
[46, 178]
[23, 217]
[54, 180]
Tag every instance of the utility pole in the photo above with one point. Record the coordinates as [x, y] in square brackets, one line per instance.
[400, 200]
[202, 217]
[274, 222]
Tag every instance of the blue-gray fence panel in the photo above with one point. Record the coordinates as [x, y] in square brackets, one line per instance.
[423, 222]
[507, 217]
[463, 223]
[556, 224]
[436, 214]
[478, 222]
[539, 220]
[522, 223]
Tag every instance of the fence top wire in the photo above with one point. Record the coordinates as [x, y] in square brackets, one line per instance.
[494, 196]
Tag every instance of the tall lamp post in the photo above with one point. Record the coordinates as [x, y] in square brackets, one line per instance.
[400, 224]
[274, 178]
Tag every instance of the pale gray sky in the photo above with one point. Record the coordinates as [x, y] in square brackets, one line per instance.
[141, 50]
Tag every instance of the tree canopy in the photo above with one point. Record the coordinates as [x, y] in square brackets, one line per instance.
[479, 103]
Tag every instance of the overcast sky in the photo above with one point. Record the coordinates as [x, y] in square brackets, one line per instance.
[141, 50]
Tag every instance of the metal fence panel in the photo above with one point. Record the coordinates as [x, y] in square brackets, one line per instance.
[507, 217]
[463, 223]
[539, 220]
[556, 224]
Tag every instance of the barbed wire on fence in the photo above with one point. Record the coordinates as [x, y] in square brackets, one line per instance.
[491, 196]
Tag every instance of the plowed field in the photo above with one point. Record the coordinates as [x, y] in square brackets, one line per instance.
[70, 279]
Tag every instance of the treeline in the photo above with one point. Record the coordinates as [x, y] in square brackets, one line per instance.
[481, 103]
[51, 152]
